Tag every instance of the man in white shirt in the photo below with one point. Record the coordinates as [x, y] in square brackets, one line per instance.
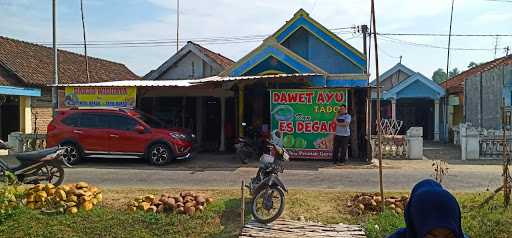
[342, 136]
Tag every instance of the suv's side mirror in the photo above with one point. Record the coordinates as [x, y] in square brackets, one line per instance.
[140, 129]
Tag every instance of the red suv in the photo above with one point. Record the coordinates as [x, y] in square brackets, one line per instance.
[119, 132]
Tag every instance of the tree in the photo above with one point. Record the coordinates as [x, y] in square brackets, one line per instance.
[453, 72]
[472, 64]
[439, 76]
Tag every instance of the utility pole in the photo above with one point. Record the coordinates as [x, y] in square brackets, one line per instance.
[55, 92]
[177, 25]
[379, 131]
[364, 31]
[496, 46]
[445, 108]
[85, 42]
[449, 41]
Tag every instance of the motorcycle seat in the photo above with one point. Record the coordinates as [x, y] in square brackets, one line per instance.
[35, 155]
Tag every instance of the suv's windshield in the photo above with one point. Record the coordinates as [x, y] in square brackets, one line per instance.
[152, 121]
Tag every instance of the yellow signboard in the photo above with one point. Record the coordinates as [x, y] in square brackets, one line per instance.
[100, 97]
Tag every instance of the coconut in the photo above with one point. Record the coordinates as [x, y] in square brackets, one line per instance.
[132, 203]
[72, 210]
[152, 209]
[190, 210]
[99, 197]
[188, 199]
[87, 205]
[144, 206]
[200, 200]
[82, 185]
[60, 194]
[41, 196]
[163, 199]
[30, 197]
[209, 200]
[149, 198]
[170, 203]
[178, 199]
[160, 208]
[180, 210]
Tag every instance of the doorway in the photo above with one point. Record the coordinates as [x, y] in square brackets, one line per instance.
[9, 115]
[416, 113]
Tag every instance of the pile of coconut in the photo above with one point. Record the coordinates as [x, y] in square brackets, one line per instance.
[67, 198]
[184, 203]
[371, 203]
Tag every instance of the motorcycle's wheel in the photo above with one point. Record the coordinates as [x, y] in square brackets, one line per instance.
[268, 204]
[52, 173]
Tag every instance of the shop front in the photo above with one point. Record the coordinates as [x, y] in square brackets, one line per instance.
[299, 77]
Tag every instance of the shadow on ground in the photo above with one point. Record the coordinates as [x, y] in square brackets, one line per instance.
[208, 162]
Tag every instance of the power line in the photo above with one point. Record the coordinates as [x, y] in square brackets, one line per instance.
[508, 1]
[443, 35]
[398, 41]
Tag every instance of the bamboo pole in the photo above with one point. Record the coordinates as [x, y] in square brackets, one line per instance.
[379, 131]
[242, 205]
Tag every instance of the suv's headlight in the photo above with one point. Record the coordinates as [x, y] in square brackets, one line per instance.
[177, 135]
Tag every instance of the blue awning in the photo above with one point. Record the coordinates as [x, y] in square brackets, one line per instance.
[20, 91]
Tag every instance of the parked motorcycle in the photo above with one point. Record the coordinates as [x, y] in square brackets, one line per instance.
[250, 146]
[42, 166]
[266, 188]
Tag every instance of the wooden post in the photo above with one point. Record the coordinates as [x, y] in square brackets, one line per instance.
[222, 124]
[242, 205]
[183, 106]
[379, 131]
[240, 109]
[354, 147]
[506, 161]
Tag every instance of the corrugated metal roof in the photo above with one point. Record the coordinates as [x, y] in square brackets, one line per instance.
[181, 83]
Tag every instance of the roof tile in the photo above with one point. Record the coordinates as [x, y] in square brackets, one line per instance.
[33, 65]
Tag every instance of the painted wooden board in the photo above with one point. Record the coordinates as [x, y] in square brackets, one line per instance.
[288, 228]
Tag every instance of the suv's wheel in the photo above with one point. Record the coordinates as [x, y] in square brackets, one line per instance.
[159, 154]
[72, 153]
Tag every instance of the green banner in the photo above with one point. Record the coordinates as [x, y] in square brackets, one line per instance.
[303, 120]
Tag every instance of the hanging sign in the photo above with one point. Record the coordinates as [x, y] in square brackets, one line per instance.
[303, 120]
[100, 97]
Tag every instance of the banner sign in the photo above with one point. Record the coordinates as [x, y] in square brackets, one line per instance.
[303, 120]
[100, 97]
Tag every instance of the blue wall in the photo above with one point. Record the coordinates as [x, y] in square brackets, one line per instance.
[271, 63]
[320, 54]
[417, 90]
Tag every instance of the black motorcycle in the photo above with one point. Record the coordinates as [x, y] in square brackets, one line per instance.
[266, 188]
[42, 166]
[250, 146]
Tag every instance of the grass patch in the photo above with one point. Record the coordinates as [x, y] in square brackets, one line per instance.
[384, 224]
[222, 218]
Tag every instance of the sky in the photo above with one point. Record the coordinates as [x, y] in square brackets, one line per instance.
[112, 21]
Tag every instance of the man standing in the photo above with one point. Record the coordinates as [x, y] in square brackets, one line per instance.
[342, 135]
